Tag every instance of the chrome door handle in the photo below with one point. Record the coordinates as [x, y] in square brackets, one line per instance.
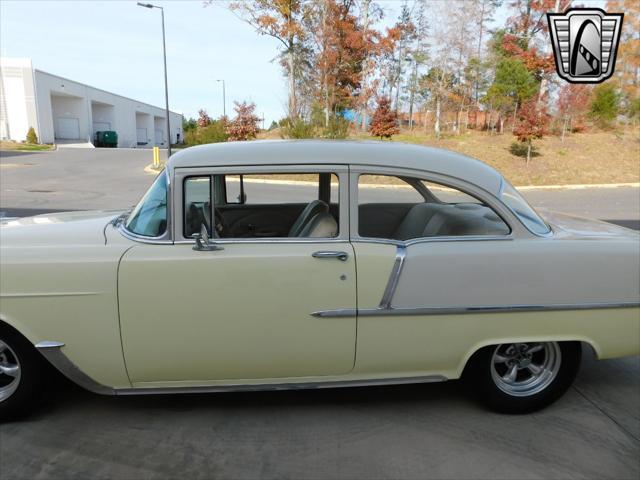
[342, 256]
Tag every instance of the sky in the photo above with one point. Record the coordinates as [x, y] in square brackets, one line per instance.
[117, 46]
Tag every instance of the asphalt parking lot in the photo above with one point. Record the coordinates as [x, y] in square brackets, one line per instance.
[420, 431]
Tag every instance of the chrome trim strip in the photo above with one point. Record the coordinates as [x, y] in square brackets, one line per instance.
[342, 312]
[392, 284]
[53, 353]
[415, 241]
[392, 312]
[280, 386]
[47, 294]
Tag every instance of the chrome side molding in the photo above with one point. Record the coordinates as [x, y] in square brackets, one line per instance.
[262, 387]
[391, 312]
[52, 352]
[394, 278]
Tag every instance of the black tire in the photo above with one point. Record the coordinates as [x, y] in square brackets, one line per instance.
[479, 376]
[29, 385]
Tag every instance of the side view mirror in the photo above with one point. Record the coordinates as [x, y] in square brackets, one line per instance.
[203, 242]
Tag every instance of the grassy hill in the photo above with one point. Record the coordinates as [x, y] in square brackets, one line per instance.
[592, 157]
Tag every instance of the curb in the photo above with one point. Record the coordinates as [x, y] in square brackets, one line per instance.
[149, 169]
[580, 186]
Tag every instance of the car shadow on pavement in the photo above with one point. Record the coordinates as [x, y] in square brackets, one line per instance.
[594, 376]
[65, 395]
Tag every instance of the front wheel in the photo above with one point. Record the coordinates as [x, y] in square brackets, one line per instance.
[523, 377]
[20, 375]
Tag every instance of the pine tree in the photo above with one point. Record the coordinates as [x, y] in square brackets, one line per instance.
[31, 136]
[384, 122]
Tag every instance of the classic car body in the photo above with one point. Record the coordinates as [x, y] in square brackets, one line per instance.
[371, 293]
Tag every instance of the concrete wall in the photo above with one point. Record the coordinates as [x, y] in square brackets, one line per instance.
[31, 97]
[17, 99]
[125, 115]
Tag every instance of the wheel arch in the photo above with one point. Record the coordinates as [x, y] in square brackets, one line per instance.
[18, 328]
[476, 349]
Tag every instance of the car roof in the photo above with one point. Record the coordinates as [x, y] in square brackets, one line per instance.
[343, 152]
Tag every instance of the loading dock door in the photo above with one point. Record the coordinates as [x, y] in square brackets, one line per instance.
[142, 136]
[159, 137]
[68, 128]
[101, 126]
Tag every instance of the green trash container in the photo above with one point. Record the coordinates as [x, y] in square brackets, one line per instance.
[106, 138]
[110, 139]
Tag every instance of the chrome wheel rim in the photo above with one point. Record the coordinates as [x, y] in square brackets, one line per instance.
[9, 371]
[524, 369]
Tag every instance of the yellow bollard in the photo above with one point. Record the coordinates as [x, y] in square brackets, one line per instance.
[156, 157]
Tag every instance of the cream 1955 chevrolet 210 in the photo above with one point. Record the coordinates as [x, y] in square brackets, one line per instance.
[278, 265]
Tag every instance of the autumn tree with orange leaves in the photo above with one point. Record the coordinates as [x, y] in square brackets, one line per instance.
[282, 20]
[384, 122]
[573, 106]
[533, 123]
[245, 124]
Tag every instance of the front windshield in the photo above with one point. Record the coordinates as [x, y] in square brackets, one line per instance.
[149, 217]
[518, 205]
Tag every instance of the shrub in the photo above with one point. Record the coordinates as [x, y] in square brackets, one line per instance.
[189, 125]
[31, 136]
[214, 132]
[520, 149]
[297, 129]
[604, 105]
[338, 128]
[634, 108]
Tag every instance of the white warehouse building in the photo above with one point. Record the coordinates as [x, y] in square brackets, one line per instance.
[64, 111]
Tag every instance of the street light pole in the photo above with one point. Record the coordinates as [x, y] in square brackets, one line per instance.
[224, 99]
[166, 83]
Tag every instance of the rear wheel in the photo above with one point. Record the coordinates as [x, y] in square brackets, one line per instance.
[523, 377]
[20, 375]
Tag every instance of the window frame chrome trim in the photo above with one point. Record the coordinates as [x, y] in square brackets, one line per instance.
[548, 234]
[167, 237]
[339, 169]
[516, 227]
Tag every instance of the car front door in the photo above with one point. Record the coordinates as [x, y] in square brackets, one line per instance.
[244, 310]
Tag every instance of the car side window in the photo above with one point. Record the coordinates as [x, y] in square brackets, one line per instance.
[430, 210]
[197, 205]
[263, 205]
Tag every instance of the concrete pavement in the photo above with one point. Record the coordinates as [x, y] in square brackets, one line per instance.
[408, 432]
